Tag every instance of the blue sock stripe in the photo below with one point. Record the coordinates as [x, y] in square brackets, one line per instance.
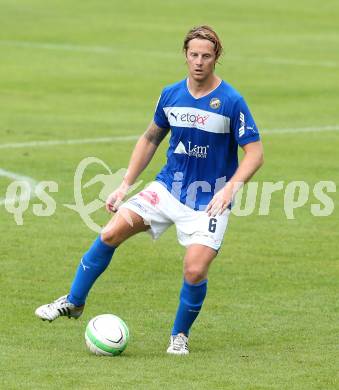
[188, 303]
[196, 284]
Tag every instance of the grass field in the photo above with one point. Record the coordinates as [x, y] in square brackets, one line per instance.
[90, 69]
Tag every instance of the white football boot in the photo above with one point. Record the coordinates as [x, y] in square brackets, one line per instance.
[178, 345]
[60, 307]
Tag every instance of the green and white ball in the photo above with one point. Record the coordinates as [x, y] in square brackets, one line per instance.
[107, 335]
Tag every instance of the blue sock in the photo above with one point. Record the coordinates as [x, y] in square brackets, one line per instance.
[92, 265]
[191, 299]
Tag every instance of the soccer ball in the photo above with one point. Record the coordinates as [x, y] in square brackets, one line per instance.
[107, 335]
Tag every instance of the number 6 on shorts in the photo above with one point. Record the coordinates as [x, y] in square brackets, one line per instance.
[212, 225]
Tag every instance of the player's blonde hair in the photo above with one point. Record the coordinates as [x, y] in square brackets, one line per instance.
[204, 32]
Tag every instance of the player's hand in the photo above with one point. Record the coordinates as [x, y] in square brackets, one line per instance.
[115, 199]
[220, 201]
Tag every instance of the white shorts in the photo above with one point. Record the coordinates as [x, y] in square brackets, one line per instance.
[160, 209]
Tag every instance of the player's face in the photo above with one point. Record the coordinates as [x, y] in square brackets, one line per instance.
[200, 59]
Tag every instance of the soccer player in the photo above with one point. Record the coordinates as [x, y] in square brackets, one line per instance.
[207, 120]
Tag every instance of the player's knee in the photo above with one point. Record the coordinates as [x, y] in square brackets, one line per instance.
[194, 274]
[112, 236]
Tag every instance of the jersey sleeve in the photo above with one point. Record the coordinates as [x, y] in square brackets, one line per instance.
[242, 124]
[160, 117]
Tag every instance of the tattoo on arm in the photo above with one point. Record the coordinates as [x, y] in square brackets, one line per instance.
[155, 134]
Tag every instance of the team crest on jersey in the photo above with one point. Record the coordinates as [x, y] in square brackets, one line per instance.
[215, 103]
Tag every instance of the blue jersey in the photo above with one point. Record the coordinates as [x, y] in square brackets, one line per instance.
[205, 134]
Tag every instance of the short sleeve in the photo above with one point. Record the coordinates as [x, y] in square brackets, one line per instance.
[160, 118]
[242, 124]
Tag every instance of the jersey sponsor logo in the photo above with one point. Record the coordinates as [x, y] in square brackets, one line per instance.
[215, 103]
[190, 118]
[192, 150]
[195, 118]
[242, 123]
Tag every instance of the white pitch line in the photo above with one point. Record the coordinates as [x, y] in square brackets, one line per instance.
[84, 49]
[111, 50]
[60, 46]
[286, 61]
[127, 138]
[301, 130]
[69, 142]
[27, 193]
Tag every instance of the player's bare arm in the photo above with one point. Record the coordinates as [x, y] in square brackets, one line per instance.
[141, 156]
[155, 134]
[251, 162]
